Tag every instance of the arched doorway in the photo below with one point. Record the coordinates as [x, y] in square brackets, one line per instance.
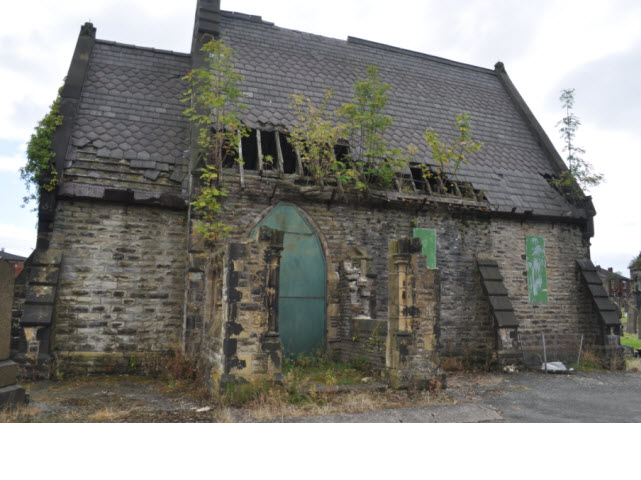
[303, 273]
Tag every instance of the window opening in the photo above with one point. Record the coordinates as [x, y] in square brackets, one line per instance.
[289, 155]
[250, 151]
[269, 151]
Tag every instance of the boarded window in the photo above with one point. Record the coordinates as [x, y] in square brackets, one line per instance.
[537, 282]
[428, 239]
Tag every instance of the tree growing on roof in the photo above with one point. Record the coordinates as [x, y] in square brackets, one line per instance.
[371, 161]
[579, 171]
[450, 155]
[315, 135]
[215, 104]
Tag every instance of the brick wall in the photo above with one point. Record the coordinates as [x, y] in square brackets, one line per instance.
[121, 286]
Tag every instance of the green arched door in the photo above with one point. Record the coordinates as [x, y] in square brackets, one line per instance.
[301, 303]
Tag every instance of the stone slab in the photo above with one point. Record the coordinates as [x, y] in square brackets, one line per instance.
[604, 304]
[592, 277]
[610, 318]
[597, 290]
[490, 273]
[36, 314]
[501, 304]
[47, 275]
[8, 372]
[506, 319]
[495, 287]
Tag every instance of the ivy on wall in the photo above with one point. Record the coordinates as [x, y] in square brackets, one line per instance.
[39, 172]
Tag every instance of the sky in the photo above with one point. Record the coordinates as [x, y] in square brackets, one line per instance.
[546, 46]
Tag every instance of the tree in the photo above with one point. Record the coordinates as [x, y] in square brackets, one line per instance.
[451, 155]
[215, 104]
[370, 160]
[315, 136]
[580, 172]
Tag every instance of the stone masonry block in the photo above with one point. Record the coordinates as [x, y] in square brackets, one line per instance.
[8, 372]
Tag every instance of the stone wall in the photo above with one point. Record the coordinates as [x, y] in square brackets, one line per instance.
[239, 340]
[121, 287]
[466, 328]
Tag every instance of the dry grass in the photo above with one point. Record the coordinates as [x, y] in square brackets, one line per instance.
[276, 404]
[452, 365]
[19, 414]
[108, 414]
[633, 365]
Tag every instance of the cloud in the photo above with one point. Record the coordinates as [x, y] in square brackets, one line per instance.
[17, 240]
[12, 155]
[12, 163]
[606, 90]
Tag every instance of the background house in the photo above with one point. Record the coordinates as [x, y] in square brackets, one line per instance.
[16, 261]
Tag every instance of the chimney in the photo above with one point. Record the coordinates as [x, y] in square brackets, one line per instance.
[610, 269]
[206, 24]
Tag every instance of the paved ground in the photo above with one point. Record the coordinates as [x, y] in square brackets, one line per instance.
[524, 397]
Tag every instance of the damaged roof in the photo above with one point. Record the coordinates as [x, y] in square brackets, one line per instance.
[426, 92]
[130, 130]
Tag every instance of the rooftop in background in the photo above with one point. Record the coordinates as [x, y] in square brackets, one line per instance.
[11, 258]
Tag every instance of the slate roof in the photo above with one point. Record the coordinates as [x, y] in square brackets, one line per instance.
[129, 130]
[426, 91]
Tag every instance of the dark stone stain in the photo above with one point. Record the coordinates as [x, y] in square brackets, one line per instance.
[411, 311]
[233, 328]
[229, 346]
[236, 251]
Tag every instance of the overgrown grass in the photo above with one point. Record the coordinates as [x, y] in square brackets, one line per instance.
[319, 369]
[592, 361]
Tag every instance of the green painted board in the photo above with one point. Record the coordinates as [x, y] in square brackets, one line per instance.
[303, 276]
[428, 239]
[537, 282]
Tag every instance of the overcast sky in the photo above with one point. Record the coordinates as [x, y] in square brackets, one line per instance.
[593, 47]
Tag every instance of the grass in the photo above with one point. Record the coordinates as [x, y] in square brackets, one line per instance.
[318, 369]
[631, 339]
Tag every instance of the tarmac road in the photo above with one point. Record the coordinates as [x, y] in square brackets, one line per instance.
[524, 397]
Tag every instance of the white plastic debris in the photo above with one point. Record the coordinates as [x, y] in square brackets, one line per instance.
[554, 367]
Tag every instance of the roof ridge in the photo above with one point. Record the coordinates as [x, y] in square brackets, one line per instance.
[245, 16]
[414, 53]
[147, 49]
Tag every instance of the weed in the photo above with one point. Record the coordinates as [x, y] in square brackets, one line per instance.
[19, 414]
[133, 363]
[108, 414]
[591, 360]
[452, 365]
